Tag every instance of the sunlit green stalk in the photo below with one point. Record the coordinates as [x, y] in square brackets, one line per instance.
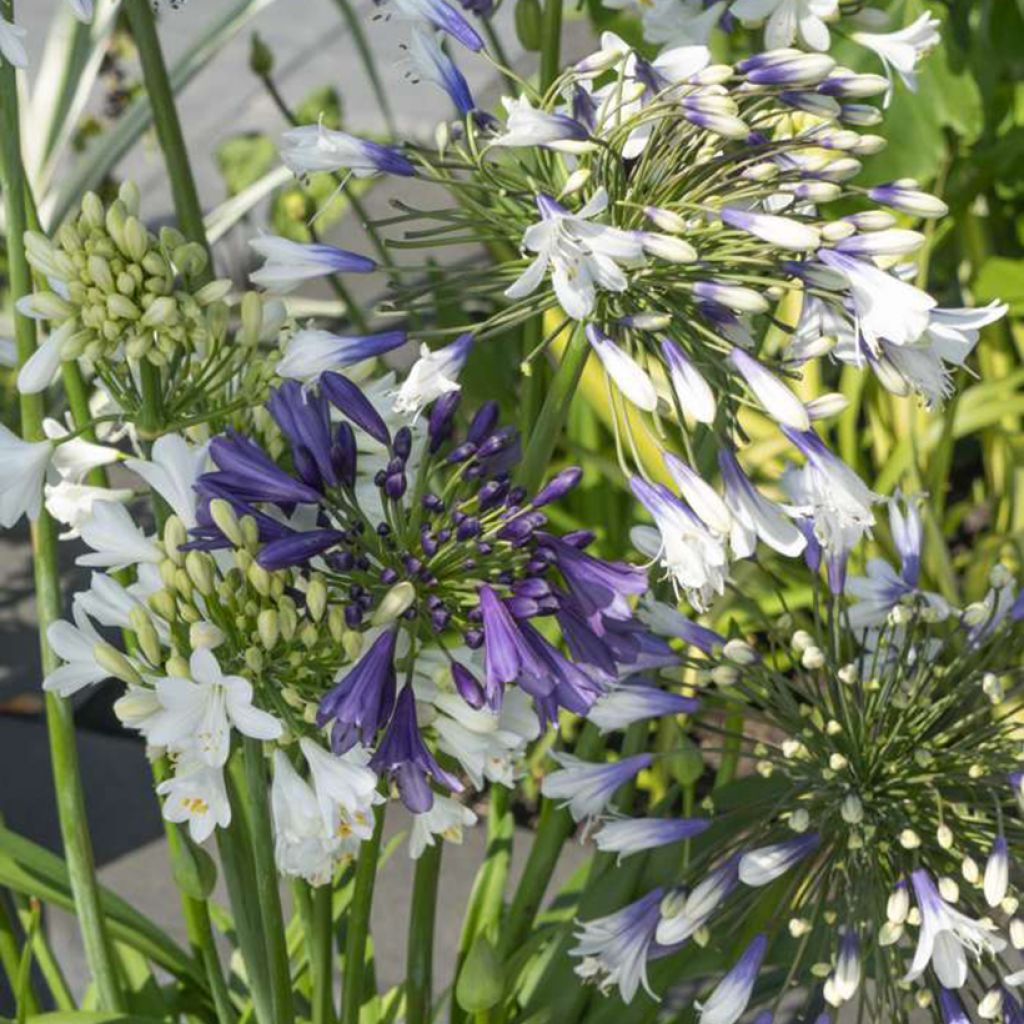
[554, 828]
[420, 949]
[142, 23]
[358, 923]
[551, 51]
[554, 412]
[352, 20]
[267, 893]
[60, 725]
[321, 952]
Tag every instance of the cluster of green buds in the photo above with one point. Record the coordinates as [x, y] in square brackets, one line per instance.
[118, 296]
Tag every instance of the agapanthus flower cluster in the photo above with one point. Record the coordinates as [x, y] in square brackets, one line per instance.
[870, 841]
[370, 588]
[120, 298]
[809, 24]
[666, 207]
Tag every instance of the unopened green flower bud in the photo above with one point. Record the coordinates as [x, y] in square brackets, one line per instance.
[111, 660]
[128, 193]
[199, 566]
[336, 623]
[309, 635]
[254, 659]
[259, 578]
[175, 535]
[162, 603]
[136, 239]
[851, 809]
[261, 58]
[120, 307]
[739, 651]
[92, 210]
[251, 317]
[250, 532]
[352, 642]
[397, 600]
[145, 634]
[99, 271]
[268, 627]
[183, 583]
[162, 312]
[287, 617]
[223, 516]
[168, 574]
[316, 598]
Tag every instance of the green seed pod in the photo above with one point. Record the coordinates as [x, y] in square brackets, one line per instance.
[529, 24]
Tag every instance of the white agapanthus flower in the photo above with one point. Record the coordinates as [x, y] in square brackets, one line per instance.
[900, 51]
[304, 847]
[196, 795]
[446, 818]
[785, 20]
[171, 471]
[75, 644]
[582, 255]
[345, 789]
[73, 504]
[434, 374]
[198, 713]
[116, 540]
[12, 45]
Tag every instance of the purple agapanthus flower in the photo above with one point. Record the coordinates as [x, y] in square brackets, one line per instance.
[404, 756]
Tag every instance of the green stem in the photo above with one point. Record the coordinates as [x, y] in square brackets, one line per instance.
[142, 24]
[267, 892]
[321, 952]
[358, 925]
[60, 725]
[551, 33]
[351, 16]
[554, 828]
[11, 956]
[419, 963]
[234, 845]
[554, 412]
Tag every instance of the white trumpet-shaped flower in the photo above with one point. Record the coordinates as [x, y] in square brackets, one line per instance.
[199, 713]
[582, 255]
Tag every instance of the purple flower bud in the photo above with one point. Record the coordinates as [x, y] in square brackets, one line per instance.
[579, 538]
[467, 528]
[467, 685]
[534, 588]
[402, 444]
[362, 701]
[483, 423]
[394, 486]
[464, 451]
[346, 397]
[442, 419]
[297, 549]
[388, 576]
[492, 493]
[496, 442]
[558, 486]
[432, 503]
[474, 638]
[353, 615]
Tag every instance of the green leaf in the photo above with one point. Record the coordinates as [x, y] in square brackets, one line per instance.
[1001, 278]
[29, 868]
[481, 982]
[244, 159]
